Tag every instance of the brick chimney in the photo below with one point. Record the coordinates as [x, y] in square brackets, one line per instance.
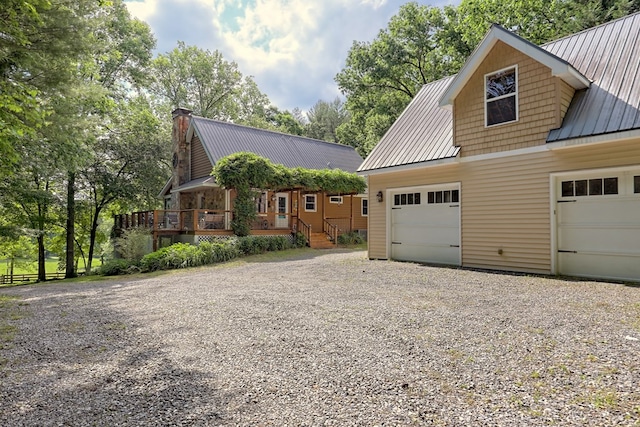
[181, 152]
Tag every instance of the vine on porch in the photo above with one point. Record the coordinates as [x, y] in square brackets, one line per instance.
[247, 172]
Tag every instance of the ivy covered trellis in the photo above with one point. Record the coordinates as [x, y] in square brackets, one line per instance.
[247, 172]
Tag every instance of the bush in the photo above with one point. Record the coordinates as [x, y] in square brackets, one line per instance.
[115, 267]
[300, 240]
[352, 238]
[133, 244]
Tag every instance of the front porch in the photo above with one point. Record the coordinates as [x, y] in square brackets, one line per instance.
[196, 225]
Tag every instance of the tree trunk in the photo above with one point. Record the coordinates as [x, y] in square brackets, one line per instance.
[92, 238]
[42, 273]
[71, 219]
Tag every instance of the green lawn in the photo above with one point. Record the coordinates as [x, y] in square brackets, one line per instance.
[25, 267]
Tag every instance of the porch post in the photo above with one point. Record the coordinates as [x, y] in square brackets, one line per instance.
[351, 213]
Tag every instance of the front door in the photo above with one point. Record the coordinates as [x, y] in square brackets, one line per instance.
[282, 206]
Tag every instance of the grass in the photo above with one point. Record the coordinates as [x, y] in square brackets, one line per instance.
[25, 266]
[9, 311]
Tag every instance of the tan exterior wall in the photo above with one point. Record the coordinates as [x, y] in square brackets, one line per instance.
[538, 106]
[200, 164]
[505, 202]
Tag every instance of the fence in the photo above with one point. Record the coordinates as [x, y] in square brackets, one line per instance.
[7, 279]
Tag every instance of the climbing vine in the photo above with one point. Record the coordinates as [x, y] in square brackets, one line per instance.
[247, 172]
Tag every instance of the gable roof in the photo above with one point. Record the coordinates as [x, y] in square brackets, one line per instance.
[221, 139]
[602, 63]
[422, 133]
[559, 67]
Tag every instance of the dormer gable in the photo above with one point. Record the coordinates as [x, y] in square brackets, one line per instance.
[559, 67]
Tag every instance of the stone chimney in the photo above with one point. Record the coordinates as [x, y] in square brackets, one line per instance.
[181, 152]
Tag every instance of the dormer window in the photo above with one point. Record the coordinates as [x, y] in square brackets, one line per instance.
[501, 96]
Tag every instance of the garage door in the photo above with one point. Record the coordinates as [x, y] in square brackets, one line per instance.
[425, 225]
[598, 225]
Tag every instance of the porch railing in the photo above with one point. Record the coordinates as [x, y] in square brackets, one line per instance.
[331, 230]
[305, 229]
[205, 220]
[342, 224]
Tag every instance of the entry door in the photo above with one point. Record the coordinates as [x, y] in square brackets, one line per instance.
[282, 205]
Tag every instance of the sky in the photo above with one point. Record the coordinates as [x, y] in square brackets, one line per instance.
[292, 48]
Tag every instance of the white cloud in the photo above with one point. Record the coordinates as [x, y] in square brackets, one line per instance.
[293, 48]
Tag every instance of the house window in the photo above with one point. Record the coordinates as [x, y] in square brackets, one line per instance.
[310, 202]
[335, 199]
[589, 187]
[365, 207]
[501, 96]
[406, 199]
[636, 184]
[261, 202]
[447, 196]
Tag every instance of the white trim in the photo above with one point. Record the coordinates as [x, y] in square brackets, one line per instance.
[596, 139]
[559, 67]
[515, 94]
[411, 166]
[338, 202]
[315, 202]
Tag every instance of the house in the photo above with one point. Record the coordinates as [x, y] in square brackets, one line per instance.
[197, 209]
[527, 160]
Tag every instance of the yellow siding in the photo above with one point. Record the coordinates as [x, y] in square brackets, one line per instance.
[505, 202]
[200, 164]
[538, 106]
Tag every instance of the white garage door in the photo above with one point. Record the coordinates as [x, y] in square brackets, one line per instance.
[425, 224]
[598, 225]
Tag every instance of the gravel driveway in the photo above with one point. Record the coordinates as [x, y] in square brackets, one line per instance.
[324, 338]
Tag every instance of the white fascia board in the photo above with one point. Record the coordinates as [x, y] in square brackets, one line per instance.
[399, 168]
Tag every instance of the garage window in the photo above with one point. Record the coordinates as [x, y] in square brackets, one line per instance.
[501, 97]
[406, 199]
[447, 196]
[590, 187]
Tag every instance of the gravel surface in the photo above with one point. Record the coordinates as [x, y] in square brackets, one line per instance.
[323, 338]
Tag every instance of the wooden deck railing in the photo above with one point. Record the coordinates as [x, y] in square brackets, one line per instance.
[342, 224]
[200, 220]
[331, 230]
[305, 229]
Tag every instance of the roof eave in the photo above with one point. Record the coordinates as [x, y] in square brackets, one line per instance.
[559, 67]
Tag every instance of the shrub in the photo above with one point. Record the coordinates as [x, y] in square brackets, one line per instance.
[133, 244]
[114, 267]
[300, 240]
[352, 238]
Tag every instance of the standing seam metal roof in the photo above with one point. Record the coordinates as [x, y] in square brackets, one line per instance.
[608, 55]
[221, 139]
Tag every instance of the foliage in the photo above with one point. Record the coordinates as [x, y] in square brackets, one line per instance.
[382, 76]
[352, 238]
[204, 82]
[324, 119]
[115, 267]
[300, 240]
[133, 244]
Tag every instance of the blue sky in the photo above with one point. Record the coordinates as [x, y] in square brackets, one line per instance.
[292, 48]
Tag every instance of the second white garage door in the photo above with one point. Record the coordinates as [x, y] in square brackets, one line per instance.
[425, 224]
[598, 224]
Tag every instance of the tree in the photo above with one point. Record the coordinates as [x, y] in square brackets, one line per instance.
[325, 118]
[382, 76]
[204, 82]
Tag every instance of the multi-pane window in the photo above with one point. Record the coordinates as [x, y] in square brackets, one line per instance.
[636, 184]
[501, 96]
[365, 207]
[406, 199]
[446, 196]
[310, 202]
[590, 187]
[335, 199]
[261, 203]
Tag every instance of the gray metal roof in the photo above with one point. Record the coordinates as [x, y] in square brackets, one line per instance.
[221, 139]
[422, 133]
[609, 55]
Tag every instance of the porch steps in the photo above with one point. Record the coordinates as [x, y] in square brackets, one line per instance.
[320, 241]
